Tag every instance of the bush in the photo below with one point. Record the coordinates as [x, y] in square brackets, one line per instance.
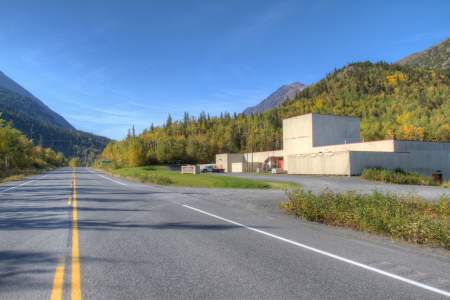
[407, 218]
[157, 179]
[397, 176]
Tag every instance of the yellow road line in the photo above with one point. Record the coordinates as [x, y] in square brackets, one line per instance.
[69, 201]
[75, 277]
[58, 281]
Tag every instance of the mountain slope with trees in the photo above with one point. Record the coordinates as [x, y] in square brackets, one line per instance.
[437, 57]
[28, 105]
[393, 101]
[42, 125]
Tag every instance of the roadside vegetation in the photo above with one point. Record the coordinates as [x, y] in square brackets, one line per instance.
[163, 175]
[398, 176]
[15, 175]
[19, 157]
[74, 162]
[406, 218]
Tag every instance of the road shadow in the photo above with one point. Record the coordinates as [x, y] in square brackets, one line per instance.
[32, 270]
[23, 270]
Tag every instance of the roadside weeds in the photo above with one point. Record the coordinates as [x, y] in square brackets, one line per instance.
[400, 177]
[407, 218]
[21, 174]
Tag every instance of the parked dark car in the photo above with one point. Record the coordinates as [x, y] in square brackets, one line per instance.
[208, 169]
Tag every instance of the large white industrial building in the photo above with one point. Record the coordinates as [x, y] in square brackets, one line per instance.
[331, 145]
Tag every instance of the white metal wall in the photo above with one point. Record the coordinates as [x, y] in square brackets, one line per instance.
[335, 163]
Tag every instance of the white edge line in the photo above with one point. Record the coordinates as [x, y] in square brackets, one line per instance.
[108, 178]
[112, 179]
[337, 257]
[19, 185]
[16, 186]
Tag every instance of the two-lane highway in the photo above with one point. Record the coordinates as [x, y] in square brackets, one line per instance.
[81, 234]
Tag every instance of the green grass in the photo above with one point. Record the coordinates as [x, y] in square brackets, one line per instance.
[408, 218]
[164, 176]
[397, 176]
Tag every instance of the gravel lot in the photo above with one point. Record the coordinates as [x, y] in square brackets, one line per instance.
[344, 183]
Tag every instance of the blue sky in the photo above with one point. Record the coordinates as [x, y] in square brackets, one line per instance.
[105, 65]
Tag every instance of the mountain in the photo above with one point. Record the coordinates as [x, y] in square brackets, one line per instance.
[436, 57]
[285, 92]
[44, 126]
[29, 104]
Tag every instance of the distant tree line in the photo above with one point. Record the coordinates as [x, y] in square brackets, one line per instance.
[17, 152]
[393, 102]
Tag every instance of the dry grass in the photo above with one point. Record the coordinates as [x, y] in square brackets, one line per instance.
[14, 175]
[409, 218]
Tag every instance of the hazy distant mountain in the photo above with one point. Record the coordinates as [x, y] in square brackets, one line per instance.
[285, 92]
[437, 57]
[41, 124]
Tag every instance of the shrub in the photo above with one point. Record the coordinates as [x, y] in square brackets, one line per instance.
[407, 218]
[397, 176]
[157, 179]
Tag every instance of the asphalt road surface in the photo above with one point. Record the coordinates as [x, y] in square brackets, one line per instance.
[82, 234]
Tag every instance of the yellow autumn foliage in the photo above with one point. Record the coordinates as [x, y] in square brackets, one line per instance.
[395, 78]
[411, 133]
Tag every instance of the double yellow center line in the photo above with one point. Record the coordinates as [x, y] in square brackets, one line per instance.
[75, 277]
[58, 281]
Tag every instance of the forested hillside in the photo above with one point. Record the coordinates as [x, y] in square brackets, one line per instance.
[46, 128]
[437, 57]
[18, 153]
[392, 101]
[400, 102]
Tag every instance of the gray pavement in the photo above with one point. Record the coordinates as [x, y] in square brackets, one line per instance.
[354, 183]
[141, 241]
